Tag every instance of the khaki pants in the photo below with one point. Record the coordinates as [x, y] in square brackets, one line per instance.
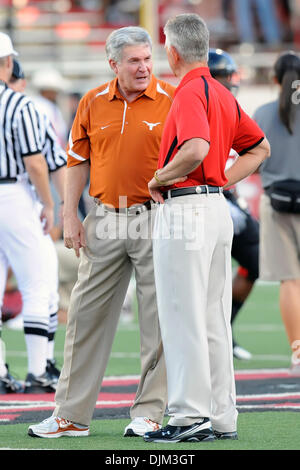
[96, 301]
[192, 260]
[280, 235]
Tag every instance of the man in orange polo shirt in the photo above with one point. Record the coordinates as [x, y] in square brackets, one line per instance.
[115, 140]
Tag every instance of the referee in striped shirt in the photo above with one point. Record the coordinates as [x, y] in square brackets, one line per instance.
[56, 159]
[21, 232]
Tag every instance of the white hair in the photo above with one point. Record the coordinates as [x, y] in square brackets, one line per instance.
[189, 35]
[127, 36]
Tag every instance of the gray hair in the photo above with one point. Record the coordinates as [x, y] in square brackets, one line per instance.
[189, 35]
[127, 36]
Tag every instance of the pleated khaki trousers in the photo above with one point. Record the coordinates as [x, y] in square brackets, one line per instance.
[116, 244]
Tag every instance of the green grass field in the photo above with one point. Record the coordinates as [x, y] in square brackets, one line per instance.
[258, 328]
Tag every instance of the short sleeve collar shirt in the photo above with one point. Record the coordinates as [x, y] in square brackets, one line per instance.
[203, 108]
[120, 139]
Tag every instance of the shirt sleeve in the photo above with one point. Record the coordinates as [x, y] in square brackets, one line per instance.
[78, 149]
[191, 117]
[248, 134]
[54, 154]
[28, 131]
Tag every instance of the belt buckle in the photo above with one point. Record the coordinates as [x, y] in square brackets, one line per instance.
[136, 210]
[202, 189]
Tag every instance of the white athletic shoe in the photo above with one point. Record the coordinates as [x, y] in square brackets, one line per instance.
[57, 427]
[241, 353]
[139, 426]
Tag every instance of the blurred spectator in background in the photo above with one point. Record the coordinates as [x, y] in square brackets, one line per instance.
[121, 12]
[285, 16]
[295, 19]
[280, 203]
[167, 9]
[266, 11]
[226, 9]
[49, 83]
[74, 99]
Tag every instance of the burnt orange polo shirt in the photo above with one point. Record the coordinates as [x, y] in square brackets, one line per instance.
[120, 139]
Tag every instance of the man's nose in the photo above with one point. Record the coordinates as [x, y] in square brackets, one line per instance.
[143, 66]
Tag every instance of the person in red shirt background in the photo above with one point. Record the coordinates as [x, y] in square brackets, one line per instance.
[193, 235]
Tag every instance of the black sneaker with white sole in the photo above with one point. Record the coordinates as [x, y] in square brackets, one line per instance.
[52, 369]
[42, 384]
[197, 432]
[226, 435]
[8, 384]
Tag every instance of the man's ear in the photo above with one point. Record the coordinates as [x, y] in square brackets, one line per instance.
[9, 66]
[9, 61]
[113, 65]
[174, 54]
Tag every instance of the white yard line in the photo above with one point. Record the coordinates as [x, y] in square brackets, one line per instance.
[117, 355]
[261, 328]
[271, 357]
[135, 355]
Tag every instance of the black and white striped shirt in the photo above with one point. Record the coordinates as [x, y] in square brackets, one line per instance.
[25, 131]
[19, 132]
[54, 154]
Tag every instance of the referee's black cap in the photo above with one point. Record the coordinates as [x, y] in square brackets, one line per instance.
[17, 72]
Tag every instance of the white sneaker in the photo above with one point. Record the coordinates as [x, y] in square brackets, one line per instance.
[56, 427]
[139, 426]
[241, 353]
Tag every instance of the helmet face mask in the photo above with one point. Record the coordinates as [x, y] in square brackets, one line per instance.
[231, 82]
[224, 69]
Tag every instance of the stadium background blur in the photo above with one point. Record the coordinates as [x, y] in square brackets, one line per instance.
[69, 35]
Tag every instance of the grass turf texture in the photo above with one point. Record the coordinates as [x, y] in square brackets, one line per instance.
[257, 431]
[258, 328]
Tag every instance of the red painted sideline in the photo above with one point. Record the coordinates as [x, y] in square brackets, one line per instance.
[239, 375]
[264, 374]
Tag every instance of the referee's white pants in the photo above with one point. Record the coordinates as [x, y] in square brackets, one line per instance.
[51, 259]
[22, 248]
[192, 260]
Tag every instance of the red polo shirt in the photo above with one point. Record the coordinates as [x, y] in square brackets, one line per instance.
[203, 108]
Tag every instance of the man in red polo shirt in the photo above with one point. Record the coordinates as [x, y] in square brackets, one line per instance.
[193, 235]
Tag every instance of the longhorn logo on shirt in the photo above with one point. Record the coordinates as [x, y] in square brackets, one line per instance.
[151, 124]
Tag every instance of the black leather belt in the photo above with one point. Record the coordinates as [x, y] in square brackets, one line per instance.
[8, 180]
[203, 189]
[132, 210]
